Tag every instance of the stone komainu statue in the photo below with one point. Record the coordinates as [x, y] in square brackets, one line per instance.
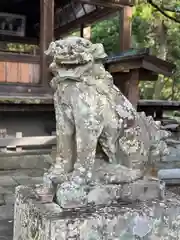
[91, 111]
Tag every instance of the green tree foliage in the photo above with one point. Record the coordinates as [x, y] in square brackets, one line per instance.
[156, 25]
[107, 32]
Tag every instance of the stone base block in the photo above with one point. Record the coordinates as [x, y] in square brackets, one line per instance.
[70, 196]
[15, 161]
[124, 220]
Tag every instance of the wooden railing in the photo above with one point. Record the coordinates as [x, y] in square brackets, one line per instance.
[20, 143]
[19, 68]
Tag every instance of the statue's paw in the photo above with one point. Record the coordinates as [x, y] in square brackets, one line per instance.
[104, 194]
[117, 174]
[52, 179]
[71, 195]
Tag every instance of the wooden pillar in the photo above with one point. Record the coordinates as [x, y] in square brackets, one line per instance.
[128, 83]
[85, 32]
[121, 81]
[46, 36]
[125, 28]
[133, 87]
[82, 30]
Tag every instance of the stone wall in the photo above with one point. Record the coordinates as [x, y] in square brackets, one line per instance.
[37, 160]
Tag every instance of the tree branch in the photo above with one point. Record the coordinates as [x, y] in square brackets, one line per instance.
[162, 12]
[169, 9]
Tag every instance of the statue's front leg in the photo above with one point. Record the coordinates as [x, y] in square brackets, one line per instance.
[73, 193]
[65, 146]
[86, 144]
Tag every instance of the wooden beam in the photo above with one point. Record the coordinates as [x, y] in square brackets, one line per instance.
[155, 68]
[46, 36]
[110, 3]
[19, 58]
[121, 81]
[125, 28]
[124, 66]
[19, 89]
[16, 39]
[14, 142]
[82, 30]
[88, 19]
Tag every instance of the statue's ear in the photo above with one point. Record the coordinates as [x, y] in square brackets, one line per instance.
[98, 51]
[51, 49]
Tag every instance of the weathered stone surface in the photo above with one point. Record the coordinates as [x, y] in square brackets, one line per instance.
[7, 190]
[7, 181]
[9, 199]
[22, 172]
[70, 195]
[21, 179]
[2, 202]
[26, 180]
[76, 196]
[25, 162]
[6, 229]
[105, 173]
[149, 220]
[143, 190]
[6, 212]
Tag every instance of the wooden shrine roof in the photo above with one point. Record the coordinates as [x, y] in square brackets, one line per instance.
[69, 14]
[139, 59]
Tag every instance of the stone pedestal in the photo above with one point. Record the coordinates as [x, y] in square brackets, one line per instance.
[150, 220]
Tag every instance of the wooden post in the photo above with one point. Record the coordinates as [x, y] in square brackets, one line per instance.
[19, 135]
[3, 134]
[82, 30]
[133, 88]
[125, 28]
[46, 36]
[85, 32]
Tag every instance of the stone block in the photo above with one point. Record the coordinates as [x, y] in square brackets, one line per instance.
[7, 190]
[143, 190]
[6, 181]
[9, 199]
[21, 179]
[69, 196]
[2, 202]
[6, 229]
[26, 180]
[44, 221]
[6, 212]
[23, 172]
[10, 162]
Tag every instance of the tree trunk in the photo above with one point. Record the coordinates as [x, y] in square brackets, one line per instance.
[173, 88]
[162, 54]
